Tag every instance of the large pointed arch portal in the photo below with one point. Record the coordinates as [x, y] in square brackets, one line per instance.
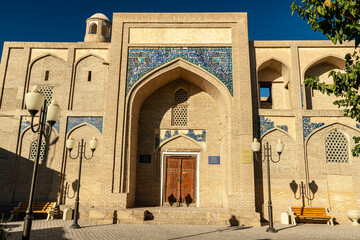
[148, 113]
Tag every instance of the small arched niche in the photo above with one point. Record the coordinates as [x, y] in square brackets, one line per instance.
[274, 85]
[93, 28]
[314, 98]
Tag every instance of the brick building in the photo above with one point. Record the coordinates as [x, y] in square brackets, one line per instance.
[176, 98]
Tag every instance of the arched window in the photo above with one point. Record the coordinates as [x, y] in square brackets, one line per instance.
[180, 111]
[337, 150]
[104, 30]
[93, 28]
[33, 147]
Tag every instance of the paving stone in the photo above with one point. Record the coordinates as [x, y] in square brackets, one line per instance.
[59, 229]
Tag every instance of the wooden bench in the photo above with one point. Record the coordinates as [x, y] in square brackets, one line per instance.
[38, 207]
[315, 213]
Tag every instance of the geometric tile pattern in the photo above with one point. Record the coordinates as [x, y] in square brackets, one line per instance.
[337, 149]
[75, 121]
[197, 135]
[180, 111]
[216, 60]
[283, 127]
[309, 127]
[179, 116]
[33, 148]
[265, 125]
[47, 92]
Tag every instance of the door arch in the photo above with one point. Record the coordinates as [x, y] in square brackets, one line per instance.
[177, 69]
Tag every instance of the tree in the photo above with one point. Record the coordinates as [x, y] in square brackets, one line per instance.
[338, 20]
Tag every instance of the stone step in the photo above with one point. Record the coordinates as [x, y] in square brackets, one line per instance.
[185, 222]
[180, 217]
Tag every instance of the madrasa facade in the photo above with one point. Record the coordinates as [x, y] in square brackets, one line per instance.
[175, 100]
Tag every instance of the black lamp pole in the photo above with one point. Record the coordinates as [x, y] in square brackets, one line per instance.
[41, 130]
[268, 158]
[81, 153]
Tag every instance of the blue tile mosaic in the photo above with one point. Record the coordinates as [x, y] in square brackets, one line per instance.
[283, 127]
[309, 127]
[57, 126]
[197, 135]
[26, 121]
[265, 125]
[75, 121]
[217, 61]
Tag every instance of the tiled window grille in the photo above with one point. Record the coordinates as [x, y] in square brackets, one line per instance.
[180, 116]
[33, 147]
[48, 93]
[180, 111]
[181, 96]
[336, 145]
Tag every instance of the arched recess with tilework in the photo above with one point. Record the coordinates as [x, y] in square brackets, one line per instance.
[336, 181]
[321, 67]
[48, 171]
[282, 174]
[154, 94]
[93, 186]
[274, 86]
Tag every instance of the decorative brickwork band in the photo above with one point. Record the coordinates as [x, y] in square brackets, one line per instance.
[217, 61]
[197, 135]
[75, 121]
[25, 122]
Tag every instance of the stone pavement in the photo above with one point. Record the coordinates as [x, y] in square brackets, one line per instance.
[59, 229]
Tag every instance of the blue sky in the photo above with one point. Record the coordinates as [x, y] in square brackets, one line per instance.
[64, 21]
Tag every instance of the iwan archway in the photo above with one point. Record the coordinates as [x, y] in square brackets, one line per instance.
[182, 110]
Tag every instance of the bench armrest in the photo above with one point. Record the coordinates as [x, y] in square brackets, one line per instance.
[291, 212]
[328, 211]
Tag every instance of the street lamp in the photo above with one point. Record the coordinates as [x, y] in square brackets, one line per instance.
[70, 143]
[36, 102]
[267, 156]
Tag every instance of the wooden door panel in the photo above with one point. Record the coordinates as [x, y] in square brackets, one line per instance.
[188, 180]
[172, 184]
[180, 180]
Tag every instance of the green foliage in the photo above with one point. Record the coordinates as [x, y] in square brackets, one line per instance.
[3, 232]
[339, 21]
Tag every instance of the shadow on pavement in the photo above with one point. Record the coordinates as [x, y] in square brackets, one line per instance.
[227, 229]
[48, 233]
[292, 226]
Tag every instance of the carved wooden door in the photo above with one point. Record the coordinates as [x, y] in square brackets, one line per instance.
[180, 180]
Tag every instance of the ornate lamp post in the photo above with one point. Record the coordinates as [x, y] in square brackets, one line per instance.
[36, 102]
[81, 152]
[267, 156]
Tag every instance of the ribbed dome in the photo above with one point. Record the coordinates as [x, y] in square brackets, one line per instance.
[100, 16]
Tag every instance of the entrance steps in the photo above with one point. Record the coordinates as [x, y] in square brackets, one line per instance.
[170, 215]
[185, 216]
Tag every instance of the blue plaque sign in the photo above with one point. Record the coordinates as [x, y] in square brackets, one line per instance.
[214, 159]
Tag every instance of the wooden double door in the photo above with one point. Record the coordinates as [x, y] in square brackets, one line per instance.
[180, 180]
